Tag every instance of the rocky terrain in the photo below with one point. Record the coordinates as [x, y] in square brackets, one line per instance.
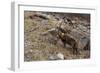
[56, 36]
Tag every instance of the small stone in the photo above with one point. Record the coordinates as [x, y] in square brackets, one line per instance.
[60, 56]
[51, 58]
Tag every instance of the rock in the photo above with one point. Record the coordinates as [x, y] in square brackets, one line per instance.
[52, 57]
[39, 15]
[60, 56]
[82, 39]
[87, 47]
[83, 43]
[52, 31]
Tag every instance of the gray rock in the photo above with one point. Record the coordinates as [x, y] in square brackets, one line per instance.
[58, 56]
[82, 38]
[52, 57]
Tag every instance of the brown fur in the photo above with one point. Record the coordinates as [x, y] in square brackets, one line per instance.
[67, 39]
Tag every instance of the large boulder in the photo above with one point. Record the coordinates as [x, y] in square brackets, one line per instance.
[82, 39]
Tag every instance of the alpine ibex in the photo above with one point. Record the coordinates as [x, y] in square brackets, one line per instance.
[63, 34]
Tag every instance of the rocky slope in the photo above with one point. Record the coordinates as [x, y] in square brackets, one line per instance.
[56, 36]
